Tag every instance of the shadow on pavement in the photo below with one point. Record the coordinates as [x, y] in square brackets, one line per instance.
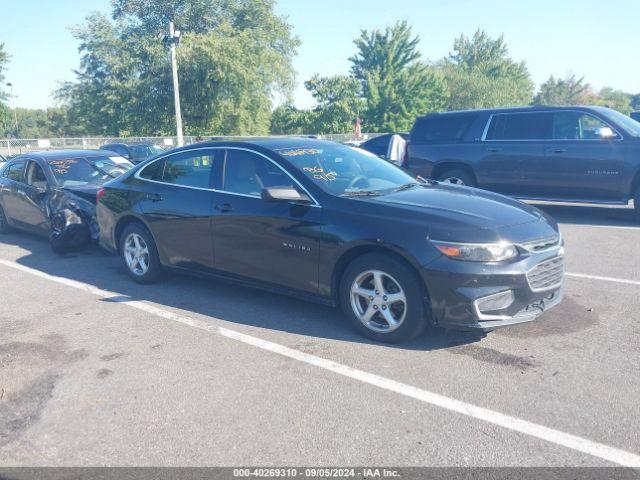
[600, 215]
[212, 298]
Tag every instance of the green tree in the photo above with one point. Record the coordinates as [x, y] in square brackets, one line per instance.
[396, 85]
[4, 109]
[616, 99]
[635, 102]
[338, 104]
[479, 73]
[289, 120]
[233, 56]
[571, 90]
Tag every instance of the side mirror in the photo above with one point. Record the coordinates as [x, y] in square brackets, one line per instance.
[284, 194]
[605, 133]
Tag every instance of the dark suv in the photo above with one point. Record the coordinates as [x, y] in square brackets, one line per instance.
[578, 154]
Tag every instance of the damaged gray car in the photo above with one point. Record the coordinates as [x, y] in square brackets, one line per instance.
[54, 194]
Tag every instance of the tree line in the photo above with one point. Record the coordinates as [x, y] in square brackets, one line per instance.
[236, 56]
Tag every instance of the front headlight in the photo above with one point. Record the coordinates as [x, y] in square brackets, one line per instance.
[477, 252]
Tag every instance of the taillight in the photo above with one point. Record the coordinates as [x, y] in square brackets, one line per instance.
[100, 194]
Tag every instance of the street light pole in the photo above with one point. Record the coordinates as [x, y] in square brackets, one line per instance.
[15, 112]
[174, 38]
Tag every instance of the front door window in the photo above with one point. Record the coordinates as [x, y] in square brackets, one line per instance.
[573, 125]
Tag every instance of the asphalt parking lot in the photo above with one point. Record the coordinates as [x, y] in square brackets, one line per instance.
[96, 370]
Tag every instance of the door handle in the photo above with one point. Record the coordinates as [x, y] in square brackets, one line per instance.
[224, 208]
[494, 149]
[154, 197]
[557, 150]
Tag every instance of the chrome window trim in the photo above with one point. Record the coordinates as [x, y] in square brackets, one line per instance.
[486, 130]
[164, 157]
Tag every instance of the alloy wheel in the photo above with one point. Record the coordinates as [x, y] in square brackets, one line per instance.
[136, 254]
[453, 181]
[378, 301]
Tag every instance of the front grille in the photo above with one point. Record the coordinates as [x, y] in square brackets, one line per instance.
[542, 244]
[546, 275]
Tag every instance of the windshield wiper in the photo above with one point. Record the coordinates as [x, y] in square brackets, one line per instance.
[362, 193]
[426, 181]
[407, 186]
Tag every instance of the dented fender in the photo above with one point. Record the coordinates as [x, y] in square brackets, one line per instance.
[72, 217]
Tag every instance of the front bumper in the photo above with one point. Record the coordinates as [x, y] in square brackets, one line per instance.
[456, 288]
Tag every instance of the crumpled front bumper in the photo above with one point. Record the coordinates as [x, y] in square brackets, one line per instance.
[528, 314]
[455, 288]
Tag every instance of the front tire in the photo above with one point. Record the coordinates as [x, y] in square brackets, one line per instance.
[457, 176]
[382, 298]
[139, 255]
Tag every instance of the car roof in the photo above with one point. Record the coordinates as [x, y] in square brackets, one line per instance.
[269, 143]
[62, 154]
[129, 144]
[531, 108]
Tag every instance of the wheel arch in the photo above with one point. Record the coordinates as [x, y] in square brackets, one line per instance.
[357, 251]
[442, 167]
[635, 184]
[123, 223]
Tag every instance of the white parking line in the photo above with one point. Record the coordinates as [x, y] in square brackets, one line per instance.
[589, 447]
[608, 227]
[603, 279]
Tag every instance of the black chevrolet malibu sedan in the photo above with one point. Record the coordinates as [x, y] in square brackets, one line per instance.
[340, 226]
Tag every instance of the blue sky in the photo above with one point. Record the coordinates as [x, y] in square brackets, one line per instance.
[597, 39]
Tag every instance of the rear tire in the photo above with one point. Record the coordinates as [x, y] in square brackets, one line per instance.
[383, 299]
[139, 254]
[636, 203]
[457, 176]
[4, 224]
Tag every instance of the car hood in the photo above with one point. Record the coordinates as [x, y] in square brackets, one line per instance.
[457, 213]
[86, 192]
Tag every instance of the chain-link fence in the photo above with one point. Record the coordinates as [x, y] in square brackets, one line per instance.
[15, 146]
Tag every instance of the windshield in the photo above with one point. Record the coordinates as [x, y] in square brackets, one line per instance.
[342, 170]
[631, 126]
[142, 152]
[75, 172]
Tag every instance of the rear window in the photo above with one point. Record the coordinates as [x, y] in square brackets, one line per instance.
[521, 126]
[442, 129]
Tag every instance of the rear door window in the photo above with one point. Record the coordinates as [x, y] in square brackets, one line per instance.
[521, 126]
[15, 172]
[189, 169]
[442, 129]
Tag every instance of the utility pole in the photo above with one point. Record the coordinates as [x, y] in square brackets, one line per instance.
[173, 40]
[15, 112]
